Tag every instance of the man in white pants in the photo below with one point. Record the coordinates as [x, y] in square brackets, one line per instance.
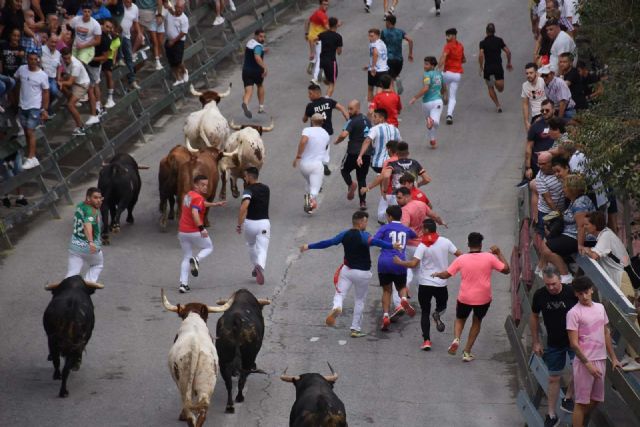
[254, 214]
[356, 269]
[311, 153]
[451, 62]
[431, 94]
[86, 243]
[191, 231]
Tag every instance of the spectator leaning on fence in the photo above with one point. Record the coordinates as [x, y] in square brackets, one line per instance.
[74, 83]
[176, 28]
[34, 102]
[130, 22]
[558, 92]
[151, 12]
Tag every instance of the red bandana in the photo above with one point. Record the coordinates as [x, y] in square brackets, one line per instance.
[430, 238]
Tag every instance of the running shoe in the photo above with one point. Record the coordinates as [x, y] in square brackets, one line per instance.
[6, 202]
[523, 183]
[310, 67]
[314, 82]
[449, 120]
[399, 312]
[357, 334]
[399, 87]
[21, 202]
[363, 206]
[437, 12]
[426, 345]
[386, 322]
[246, 111]
[433, 144]
[183, 289]
[327, 171]
[135, 85]
[259, 275]
[253, 273]
[331, 318]
[352, 191]
[408, 307]
[79, 131]
[218, 21]
[195, 266]
[261, 110]
[429, 122]
[467, 356]
[307, 203]
[567, 405]
[453, 348]
[439, 324]
[550, 421]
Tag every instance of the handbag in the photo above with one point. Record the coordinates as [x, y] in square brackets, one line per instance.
[553, 224]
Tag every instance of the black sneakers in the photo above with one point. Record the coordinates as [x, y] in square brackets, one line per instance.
[439, 323]
[183, 289]
[195, 265]
[449, 120]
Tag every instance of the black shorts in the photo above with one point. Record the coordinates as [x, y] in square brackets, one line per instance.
[107, 65]
[613, 204]
[464, 310]
[250, 78]
[376, 169]
[395, 67]
[174, 53]
[374, 81]
[493, 70]
[330, 70]
[399, 280]
[563, 245]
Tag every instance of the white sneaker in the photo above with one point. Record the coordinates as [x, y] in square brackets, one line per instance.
[232, 6]
[566, 278]
[110, 103]
[185, 76]
[178, 83]
[84, 98]
[93, 120]
[158, 65]
[135, 85]
[218, 21]
[30, 163]
[631, 366]
[143, 54]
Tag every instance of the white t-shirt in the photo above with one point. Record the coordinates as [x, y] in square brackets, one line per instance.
[578, 164]
[32, 83]
[77, 70]
[130, 16]
[563, 43]
[85, 31]
[609, 243]
[434, 259]
[535, 93]
[381, 63]
[50, 61]
[174, 25]
[317, 144]
[570, 9]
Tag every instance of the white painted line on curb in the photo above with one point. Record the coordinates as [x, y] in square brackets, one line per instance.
[314, 339]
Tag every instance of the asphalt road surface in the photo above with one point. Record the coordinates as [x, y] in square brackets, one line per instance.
[384, 379]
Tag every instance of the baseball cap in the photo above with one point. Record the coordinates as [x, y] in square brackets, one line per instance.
[546, 69]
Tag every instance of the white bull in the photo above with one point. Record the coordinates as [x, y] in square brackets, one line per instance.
[193, 359]
[244, 148]
[207, 128]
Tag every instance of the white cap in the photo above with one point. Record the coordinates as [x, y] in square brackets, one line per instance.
[546, 69]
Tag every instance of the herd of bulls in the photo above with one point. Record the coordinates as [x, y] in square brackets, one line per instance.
[213, 148]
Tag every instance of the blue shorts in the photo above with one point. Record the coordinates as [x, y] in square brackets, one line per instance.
[29, 119]
[540, 224]
[556, 357]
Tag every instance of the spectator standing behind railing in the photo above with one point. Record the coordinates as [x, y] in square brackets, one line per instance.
[51, 61]
[34, 102]
[151, 12]
[130, 22]
[87, 34]
[94, 69]
[571, 76]
[176, 28]
[532, 95]
[558, 92]
[74, 83]
[562, 42]
[107, 66]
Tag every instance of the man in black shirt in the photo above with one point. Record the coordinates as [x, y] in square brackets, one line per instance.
[568, 73]
[553, 301]
[254, 214]
[591, 82]
[538, 139]
[331, 45]
[490, 60]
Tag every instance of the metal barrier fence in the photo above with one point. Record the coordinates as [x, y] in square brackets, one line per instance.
[622, 389]
[134, 111]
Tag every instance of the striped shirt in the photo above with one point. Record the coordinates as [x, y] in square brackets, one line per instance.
[552, 185]
[556, 91]
[379, 136]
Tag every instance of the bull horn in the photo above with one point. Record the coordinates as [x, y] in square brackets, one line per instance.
[165, 302]
[234, 126]
[333, 377]
[270, 127]
[231, 154]
[51, 286]
[222, 309]
[140, 167]
[93, 285]
[193, 91]
[222, 95]
[189, 147]
[262, 301]
[288, 378]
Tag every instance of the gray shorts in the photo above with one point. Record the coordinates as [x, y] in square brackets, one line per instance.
[94, 73]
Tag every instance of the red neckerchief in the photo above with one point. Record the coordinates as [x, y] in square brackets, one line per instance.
[430, 238]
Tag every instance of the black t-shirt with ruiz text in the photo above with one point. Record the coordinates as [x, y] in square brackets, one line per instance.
[258, 196]
[331, 41]
[325, 107]
[554, 310]
[492, 47]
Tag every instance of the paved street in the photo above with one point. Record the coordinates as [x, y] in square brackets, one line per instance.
[384, 379]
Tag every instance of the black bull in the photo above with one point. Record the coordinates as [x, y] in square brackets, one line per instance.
[239, 339]
[316, 404]
[119, 182]
[68, 321]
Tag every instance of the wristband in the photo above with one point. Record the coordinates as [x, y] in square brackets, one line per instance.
[201, 227]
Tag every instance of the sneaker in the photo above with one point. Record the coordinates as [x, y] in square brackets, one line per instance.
[566, 279]
[178, 83]
[314, 82]
[30, 163]
[399, 312]
[429, 122]
[327, 171]
[449, 120]
[135, 85]
[453, 348]
[433, 144]
[399, 88]
[259, 275]
[567, 405]
[195, 266]
[426, 345]
[110, 103]
[183, 289]
[408, 307]
[467, 356]
[551, 421]
[218, 21]
[357, 334]
[6, 202]
[185, 76]
[363, 206]
[232, 6]
[523, 183]
[352, 191]
[310, 67]
[392, 10]
[78, 104]
[261, 110]
[247, 113]
[331, 318]
[437, 12]
[386, 322]
[78, 131]
[439, 323]
[307, 203]
[93, 120]
[121, 63]
[253, 272]
[21, 202]
[158, 66]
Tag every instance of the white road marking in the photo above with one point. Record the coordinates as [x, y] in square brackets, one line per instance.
[342, 342]
[314, 339]
[418, 25]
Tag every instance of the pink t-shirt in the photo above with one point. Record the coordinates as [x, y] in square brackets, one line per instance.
[475, 270]
[589, 321]
[413, 214]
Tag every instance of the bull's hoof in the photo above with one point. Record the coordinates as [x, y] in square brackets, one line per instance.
[230, 410]
[63, 393]
[235, 193]
[116, 229]
[239, 398]
[57, 376]
[182, 416]
[130, 219]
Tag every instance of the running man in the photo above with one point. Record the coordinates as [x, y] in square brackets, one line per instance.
[390, 273]
[254, 70]
[316, 24]
[379, 135]
[86, 240]
[490, 61]
[431, 93]
[393, 37]
[254, 215]
[432, 254]
[451, 62]
[191, 231]
[331, 45]
[409, 181]
[310, 155]
[387, 198]
[378, 66]
[356, 270]
[475, 269]
[387, 100]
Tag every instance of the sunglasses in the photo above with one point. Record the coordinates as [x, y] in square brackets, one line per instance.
[546, 110]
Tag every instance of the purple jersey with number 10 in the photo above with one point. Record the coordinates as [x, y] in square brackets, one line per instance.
[394, 232]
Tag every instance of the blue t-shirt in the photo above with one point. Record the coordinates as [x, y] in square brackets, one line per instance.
[393, 37]
[356, 247]
[582, 204]
[394, 232]
[432, 78]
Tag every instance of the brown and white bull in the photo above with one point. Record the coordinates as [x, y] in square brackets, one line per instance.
[207, 128]
[244, 148]
[193, 359]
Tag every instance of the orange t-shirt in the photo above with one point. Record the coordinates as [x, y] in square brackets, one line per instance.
[391, 103]
[192, 200]
[455, 53]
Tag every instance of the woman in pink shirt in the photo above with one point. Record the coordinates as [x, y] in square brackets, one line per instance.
[475, 270]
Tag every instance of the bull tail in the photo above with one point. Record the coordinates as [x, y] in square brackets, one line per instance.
[203, 135]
